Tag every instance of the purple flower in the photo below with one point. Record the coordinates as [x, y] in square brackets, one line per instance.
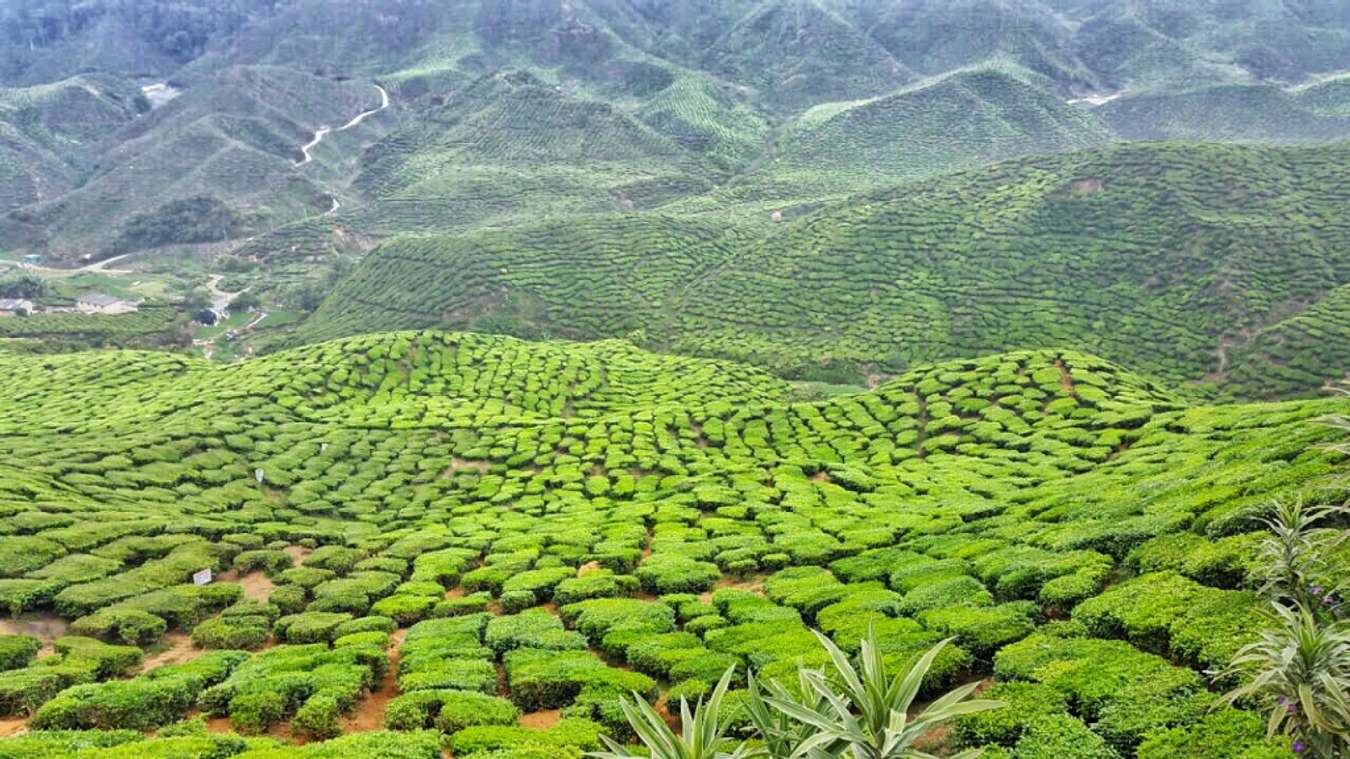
[1317, 590]
[1299, 747]
[1330, 600]
[1291, 708]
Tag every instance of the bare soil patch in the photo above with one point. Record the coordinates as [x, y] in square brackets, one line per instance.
[369, 713]
[662, 707]
[459, 465]
[175, 648]
[1065, 381]
[13, 726]
[256, 585]
[588, 567]
[1087, 186]
[752, 584]
[45, 627]
[540, 720]
[298, 553]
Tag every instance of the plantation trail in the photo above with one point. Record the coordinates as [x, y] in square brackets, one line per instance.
[102, 266]
[1220, 374]
[324, 131]
[298, 553]
[256, 585]
[1065, 380]
[1315, 80]
[220, 302]
[541, 720]
[662, 707]
[45, 627]
[13, 726]
[939, 738]
[175, 648]
[752, 584]
[1095, 100]
[369, 712]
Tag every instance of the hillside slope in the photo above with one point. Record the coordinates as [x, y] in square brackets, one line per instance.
[505, 111]
[969, 118]
[1155, 255]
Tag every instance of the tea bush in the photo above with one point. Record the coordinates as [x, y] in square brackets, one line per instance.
[593, 519]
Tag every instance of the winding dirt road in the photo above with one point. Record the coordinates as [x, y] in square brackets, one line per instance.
[324, 131]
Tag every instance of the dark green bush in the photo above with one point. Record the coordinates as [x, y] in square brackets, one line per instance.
[131, 626]
[230, 633]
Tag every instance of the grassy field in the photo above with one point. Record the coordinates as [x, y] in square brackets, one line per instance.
[401, 517]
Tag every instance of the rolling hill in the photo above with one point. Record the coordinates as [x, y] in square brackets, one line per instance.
[1164, 257]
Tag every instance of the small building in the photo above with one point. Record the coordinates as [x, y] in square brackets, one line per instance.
[15, 306]
[99, 303]
[32, 259]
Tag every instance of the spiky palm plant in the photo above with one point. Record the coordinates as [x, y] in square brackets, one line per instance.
[869, 717]
[702, 731]
[782, 735]
[1300, 671]
[1294, 557]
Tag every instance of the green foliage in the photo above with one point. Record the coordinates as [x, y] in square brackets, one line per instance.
[1228, 732]
[702, 736]
[16, 651]
[448, 710]
[866, 710]
[567, 734]
[967, 499]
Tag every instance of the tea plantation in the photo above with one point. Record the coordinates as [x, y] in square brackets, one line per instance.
[1172, 259]
[428, 541]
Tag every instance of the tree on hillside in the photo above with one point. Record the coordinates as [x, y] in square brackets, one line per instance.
[23, 284]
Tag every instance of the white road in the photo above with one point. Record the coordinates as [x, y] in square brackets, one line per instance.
[324, 131]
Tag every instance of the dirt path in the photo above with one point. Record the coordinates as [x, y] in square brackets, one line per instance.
[298, 553]
[1221, 373]
[220, 303]
[324, 131]
[256, 585]
[176, 648]
[369, 712]
[102, 266]
[1096, 100]
[1065, 380]
[541, 720]
[45, 627]
[13, 726]
[221, 300]
[1315, 80]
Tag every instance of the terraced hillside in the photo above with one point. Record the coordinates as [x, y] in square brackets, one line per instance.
[969, 118]
[1196, 263]
[450, 536]
[503, 112]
